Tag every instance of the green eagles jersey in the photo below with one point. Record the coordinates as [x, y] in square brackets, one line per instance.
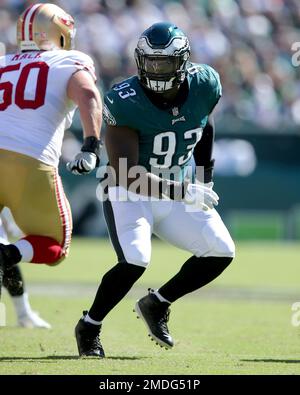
[166, 137]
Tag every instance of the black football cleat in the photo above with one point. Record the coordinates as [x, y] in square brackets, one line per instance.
[155, 314]
[88, 340]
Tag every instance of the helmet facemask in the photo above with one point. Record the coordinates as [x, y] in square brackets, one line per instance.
[161, 73]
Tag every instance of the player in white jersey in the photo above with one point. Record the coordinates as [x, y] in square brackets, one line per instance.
[13, 279]
[40, 88]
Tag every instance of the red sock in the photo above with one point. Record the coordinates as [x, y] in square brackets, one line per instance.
[45, 249]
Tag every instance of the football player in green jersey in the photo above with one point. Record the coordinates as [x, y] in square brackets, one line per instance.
[157, 120]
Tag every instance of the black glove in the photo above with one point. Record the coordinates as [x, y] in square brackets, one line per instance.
[88, 159]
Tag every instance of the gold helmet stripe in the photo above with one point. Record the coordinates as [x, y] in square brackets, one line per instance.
[28, 21]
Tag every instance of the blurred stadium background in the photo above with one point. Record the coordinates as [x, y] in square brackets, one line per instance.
[258, 118]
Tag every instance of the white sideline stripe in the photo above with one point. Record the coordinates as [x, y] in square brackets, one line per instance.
[27, 21]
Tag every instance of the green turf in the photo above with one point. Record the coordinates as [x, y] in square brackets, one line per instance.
[216, 331]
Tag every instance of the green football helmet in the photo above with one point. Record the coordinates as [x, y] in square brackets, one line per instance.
[161, 56]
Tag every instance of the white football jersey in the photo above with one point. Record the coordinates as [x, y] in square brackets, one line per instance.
[34, 107]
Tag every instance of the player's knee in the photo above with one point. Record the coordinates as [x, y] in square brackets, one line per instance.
[138, 257]
[46, 250]
[224, 247]
[58, 260]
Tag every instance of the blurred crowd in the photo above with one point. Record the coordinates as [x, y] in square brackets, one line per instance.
[247, 41]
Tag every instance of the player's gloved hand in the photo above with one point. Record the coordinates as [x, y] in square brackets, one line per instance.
[87, 160]
[201, 196]
[83, 163]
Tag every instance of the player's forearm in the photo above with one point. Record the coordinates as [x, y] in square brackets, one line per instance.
[204, 148]
[90, 108]
[150, 185]
[203, 151]
[147, 184]
[83, 91]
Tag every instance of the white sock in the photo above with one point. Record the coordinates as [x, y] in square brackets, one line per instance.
[22, 305]
[87, 318]
[26, 250]
[159, 297]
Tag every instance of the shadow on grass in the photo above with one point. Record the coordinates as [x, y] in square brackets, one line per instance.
[50, 358]
[272, 360]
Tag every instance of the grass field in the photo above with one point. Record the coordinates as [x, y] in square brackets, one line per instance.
[240, 324]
